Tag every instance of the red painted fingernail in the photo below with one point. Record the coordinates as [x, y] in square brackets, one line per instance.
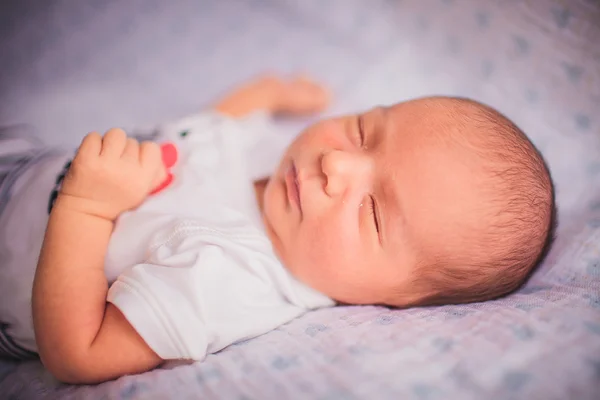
[169, 154]
[164, 184]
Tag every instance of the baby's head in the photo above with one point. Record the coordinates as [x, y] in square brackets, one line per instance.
[431, 201]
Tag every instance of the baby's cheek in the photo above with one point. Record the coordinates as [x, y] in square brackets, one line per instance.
[329, 245]
[328, 264]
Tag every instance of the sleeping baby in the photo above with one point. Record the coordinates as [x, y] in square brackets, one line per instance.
[174, 248]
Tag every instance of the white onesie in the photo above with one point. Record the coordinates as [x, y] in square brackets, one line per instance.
[193, 268]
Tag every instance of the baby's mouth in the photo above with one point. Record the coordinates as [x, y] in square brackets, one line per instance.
[293, 186]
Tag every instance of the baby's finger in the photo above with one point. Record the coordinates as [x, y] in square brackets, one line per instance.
[91, 145]
[150, 157]
[320, 94]
[161, 180]
[132, 150]
[113, 143]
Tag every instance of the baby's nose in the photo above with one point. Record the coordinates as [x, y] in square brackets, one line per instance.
[343, 170]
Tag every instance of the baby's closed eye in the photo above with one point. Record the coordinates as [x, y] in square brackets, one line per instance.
[360, 129]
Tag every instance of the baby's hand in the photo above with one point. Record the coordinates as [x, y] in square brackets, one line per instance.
[299, 96]
[111, 174]
[295, 96]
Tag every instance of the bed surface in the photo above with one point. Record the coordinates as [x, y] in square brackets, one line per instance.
[70, 67]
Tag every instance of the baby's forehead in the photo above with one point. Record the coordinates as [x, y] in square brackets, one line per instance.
[440, 180]
[420, 127]
[470, 130]
[441, 115]
[463, 170]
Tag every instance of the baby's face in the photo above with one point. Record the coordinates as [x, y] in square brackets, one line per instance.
[357, 202]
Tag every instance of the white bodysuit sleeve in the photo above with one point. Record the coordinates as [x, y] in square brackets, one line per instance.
[198, 293]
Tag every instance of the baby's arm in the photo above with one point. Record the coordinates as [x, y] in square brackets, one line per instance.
[81, 338]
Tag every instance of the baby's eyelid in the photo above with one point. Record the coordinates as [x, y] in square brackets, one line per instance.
[361, 130]
[374, 213]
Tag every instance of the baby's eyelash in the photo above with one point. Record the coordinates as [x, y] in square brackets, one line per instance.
[373, 213]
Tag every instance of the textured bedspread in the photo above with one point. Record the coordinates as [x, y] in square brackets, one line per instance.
[69, 67]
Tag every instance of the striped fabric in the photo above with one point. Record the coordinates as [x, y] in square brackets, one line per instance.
[19, 149]
[9, 349]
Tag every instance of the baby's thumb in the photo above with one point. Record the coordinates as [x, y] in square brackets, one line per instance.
[161, 175]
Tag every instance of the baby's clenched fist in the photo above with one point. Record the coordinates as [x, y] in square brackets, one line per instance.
[111, 174]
